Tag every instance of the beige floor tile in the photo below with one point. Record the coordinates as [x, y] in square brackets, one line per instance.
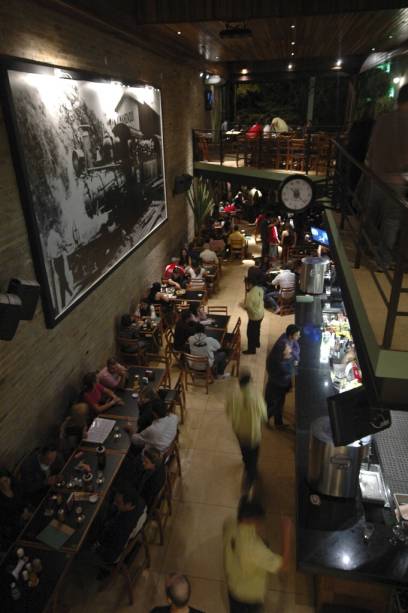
[211, 478]
[216, 434]
[195, 546]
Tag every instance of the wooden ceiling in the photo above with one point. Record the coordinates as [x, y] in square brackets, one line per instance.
[193, 39]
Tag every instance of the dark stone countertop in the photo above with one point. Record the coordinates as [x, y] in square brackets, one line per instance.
[329, 537]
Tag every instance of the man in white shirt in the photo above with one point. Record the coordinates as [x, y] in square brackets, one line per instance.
[207, 255]
[286, 280]
[204, 346]
[160, 434]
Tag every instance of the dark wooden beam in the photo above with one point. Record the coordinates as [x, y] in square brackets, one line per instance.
[182, 11]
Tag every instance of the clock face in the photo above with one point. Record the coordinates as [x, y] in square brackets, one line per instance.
[296, 193]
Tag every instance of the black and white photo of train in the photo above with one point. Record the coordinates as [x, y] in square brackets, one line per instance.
[93, 158]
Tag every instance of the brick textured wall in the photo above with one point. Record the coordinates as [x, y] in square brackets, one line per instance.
[40, 370]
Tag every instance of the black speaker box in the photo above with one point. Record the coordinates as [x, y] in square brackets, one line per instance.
[182, 184]
[28, 292]
[10, 312]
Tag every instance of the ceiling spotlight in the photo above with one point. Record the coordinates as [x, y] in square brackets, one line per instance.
[244, 70]
[390, 36]
[293, 42]
[178, 33]
[290, 66]
[293, 26]
[372, 48]
[207, 76]
[217, 57]
[339, 62]
[201, 74]
[292, 54]
[396, 80]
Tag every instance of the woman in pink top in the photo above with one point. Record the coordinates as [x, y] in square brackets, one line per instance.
[99, 397]
[113, 375]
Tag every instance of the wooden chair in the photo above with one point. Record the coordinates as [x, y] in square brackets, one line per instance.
[237, 249]
[176, 396]
[296, 154]
[172, 456]
[198, 369]
[138, 356]
[286, 302]
[283, 151]
[125, 564]
[161, 508]
[161, 360]
[235, 354]
[217, 310]
[229, 336]
[177, 355]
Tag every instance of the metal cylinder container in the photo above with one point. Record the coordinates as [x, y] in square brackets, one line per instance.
[312, 275]
[334, 471]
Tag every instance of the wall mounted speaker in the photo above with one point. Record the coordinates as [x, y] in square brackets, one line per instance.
[28, 292]
[182, 184]
[10, 313]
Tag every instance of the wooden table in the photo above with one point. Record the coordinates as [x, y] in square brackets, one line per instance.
[192, 296]
[129, 410]
[118, 439]
[152, 333]
[34, 600]
[219, 322]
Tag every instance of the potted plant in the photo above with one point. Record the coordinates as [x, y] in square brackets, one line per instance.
[200, 201]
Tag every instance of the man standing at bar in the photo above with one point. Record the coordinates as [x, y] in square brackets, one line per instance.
[254, 306]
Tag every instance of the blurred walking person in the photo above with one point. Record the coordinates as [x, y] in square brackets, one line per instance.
[246, 408]
[247, 560]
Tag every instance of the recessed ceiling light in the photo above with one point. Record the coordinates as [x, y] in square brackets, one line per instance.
[293, 42]
[201, 74]
[293, 26]
[217, 57]
[390, 36]
[292, 54]
[290, 66]
[244, 71]
[372, 48]
[178, 33]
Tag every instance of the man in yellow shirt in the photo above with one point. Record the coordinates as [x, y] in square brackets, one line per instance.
[246, 408]
[236, 240]
[247, 560]
[254, 306]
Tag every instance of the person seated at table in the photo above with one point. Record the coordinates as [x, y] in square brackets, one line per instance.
[236, 240]
[207, 256]
[147, 397]
[197, 312]
[254, 131]
[196, 271]
[128, 329]
[178, 594]
[145, 472]
[13, 509]
[39, 471]
[286, 279]
[183, 330]
[184, 258]
[96, 395]
[217, 242]
[279, 125]
[204, 346]
[157, 296]
[178, 278]
[170, 268]
[160, 434]
[144, 309]
[124, 520]
[74, 428]
[113, 375]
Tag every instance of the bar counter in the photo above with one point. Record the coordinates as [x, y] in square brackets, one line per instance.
[330, 536]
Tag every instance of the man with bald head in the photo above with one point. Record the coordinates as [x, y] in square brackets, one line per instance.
[178, 592]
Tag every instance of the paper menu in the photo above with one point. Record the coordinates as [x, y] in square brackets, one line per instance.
[100, 430]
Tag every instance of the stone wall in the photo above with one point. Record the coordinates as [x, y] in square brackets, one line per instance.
[41, 369]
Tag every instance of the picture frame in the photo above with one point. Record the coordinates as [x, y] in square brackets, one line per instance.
[89, 159]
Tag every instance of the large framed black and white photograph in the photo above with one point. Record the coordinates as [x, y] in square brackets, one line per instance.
[90, 157]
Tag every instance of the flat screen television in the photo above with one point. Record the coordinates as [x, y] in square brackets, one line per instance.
[352, 417]
[319, 236]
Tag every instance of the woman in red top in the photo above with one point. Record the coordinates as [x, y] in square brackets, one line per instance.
[99, 397]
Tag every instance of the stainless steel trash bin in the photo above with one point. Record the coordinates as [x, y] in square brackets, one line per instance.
[312, 275]
[334, 471]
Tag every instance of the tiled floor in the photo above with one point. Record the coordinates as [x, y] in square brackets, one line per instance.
[210, 489]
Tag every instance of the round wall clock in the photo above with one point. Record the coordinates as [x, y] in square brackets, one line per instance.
[296, 193]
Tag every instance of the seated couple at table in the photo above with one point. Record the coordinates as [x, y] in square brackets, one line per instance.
[145, 472]
[160, 433]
